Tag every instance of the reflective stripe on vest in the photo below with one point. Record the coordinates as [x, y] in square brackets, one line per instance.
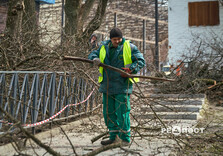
[126, 57]
[102, 55]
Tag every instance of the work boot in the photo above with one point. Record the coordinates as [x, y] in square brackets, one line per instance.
[107, 142]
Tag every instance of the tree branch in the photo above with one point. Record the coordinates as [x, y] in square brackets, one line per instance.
[104, 148]
[95, 23]
[86, 8]
[29, 135]
[116, 69]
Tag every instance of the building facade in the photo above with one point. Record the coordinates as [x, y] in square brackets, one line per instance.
[191, 22]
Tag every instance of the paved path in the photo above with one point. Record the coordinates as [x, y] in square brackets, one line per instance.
[81, 133]
[145, 141]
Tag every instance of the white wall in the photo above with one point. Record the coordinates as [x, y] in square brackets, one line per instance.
[180, 34]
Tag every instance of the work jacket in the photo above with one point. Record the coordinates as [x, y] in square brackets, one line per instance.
[114, 57]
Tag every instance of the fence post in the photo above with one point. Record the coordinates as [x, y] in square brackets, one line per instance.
[35, 96]
[115, 19]
[2, 86]
[144, 44]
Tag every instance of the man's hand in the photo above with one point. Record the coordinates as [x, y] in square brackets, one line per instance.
[127, 70]
[96, 62]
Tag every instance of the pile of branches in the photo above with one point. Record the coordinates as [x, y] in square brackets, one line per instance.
[202, 71]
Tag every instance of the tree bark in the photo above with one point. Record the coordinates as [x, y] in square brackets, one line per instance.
[21, 35]
[77, 29]
[14, 18]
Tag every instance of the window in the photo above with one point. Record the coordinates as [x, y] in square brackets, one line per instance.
[203, 13]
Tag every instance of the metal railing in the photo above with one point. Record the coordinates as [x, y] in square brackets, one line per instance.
[33, 96]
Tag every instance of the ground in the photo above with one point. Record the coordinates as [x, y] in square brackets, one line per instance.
[81, 132]
[211, 141]
[146, 140]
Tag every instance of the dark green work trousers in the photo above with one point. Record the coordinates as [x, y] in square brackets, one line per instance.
[116, 109]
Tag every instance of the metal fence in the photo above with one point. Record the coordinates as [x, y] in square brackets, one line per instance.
[34, 96]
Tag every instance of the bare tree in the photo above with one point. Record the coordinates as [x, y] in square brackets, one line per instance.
[77, 28]
[21, 48]
[21, 34]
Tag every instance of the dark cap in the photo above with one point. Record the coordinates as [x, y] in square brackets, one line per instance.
[115, 32]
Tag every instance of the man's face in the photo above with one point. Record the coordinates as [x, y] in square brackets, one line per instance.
[93, 39]
[115, 41]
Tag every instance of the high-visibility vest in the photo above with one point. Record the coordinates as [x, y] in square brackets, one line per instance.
[127, 57]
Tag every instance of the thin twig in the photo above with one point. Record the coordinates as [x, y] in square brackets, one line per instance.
[37, 141]
[69, 141]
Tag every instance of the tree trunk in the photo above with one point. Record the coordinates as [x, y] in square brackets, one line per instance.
[77, 29]
[21, 35]
[14, 18]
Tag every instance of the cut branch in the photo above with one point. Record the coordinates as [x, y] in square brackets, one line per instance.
[104, 148]
[116, 69]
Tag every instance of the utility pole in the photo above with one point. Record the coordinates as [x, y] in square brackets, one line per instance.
[62, 22]
[115, 19]
[144, 44]
[156, 36]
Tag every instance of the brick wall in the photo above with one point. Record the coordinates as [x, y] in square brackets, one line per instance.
[50, 23]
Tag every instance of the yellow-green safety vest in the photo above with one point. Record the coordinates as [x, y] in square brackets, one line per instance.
[127, 55]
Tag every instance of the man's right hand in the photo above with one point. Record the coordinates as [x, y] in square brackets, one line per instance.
[96, 62]
[127, 70]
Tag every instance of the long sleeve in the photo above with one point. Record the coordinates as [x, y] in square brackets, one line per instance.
[94, 54]
[138, 61]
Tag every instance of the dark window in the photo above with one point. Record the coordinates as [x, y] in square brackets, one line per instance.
[203, 13]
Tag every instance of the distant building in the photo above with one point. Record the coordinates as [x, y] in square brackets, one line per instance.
[190, 19]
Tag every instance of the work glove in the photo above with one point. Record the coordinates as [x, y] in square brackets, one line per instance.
[127, 70]
[96, 62]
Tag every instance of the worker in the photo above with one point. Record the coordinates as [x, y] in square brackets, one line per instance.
[116, 88]
[93, 42]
